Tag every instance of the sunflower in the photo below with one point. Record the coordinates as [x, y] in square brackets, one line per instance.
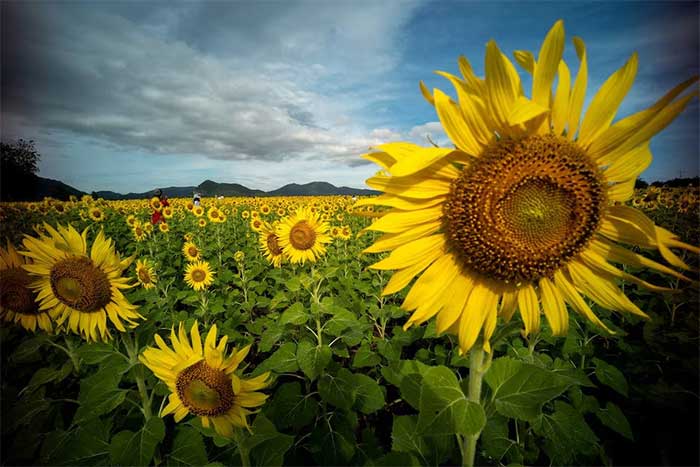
[239, 257]
[198, 275]
[198, 211]
[168, 212]
[215, 215]
[131, 220]
[17, 300]
[269, 245]
[145, 274]
[163, 227]
[245, 215]
[202, 380]
[96, 214]
[79, 290]
[148, 227]
[302, 236]
[256, 224]
[191, 252]
[139, 232]
[265, 209]
[202, 223]
[155, 204]
[520, 214]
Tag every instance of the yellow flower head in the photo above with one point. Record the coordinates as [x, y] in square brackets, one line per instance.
[239, 256]
[145, 274]
[18, 302]
[302, 236]
[269, 245]
[520, 213]
[198, 275]
[80, 291]
[202, 381]
[191, 252]
[163, 227]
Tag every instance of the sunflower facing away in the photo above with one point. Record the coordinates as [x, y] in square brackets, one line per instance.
[145, 274]
[201, 379]
[17, 300]
[198, 275]
[522, 213]
[302, 236]
[78, 289]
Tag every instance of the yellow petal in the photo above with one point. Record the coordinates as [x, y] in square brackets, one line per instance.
[454, 124]
[502, 83]
[554, 308]
[607, 100]
[560, 107]
[578, 93]
[529, 308]
[454, 308]
[426, 94]
[525, 59]
[630, 164]
[524, 110]
[482, 301]
[573, 298]
[547, 64]
[413, 252]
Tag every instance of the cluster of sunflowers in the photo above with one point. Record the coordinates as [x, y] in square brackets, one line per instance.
[683, 200]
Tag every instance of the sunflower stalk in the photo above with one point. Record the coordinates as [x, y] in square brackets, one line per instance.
[239, 437]
[476, 375]
[133, 352]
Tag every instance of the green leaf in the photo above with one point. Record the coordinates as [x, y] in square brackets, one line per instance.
[494, 438]
[188, 448]
[364, 357]
[567, 434]
[444, 409]
[369, 395]
[313, 359]
[610, 376]
[266, 445]
[290, 408]
[295, 314]
[394, 459]
[100, 393]
[283, 360]
[519, 391]
[613, 418]
[270, 337]
[27, 349]
[338, 390]
[41, 377]
[333, 441]
[128, 448]
[342, 319]
[396, 371]
[405, 436]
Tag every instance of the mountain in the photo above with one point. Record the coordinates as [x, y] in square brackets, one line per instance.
[34, 188]
[39, 187]
[318, 189]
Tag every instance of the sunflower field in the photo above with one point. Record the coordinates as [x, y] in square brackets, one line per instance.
[527, 306]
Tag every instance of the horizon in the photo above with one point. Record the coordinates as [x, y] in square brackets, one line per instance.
[121, 96]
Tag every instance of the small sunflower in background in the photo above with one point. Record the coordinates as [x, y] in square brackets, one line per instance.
[155, 204]
[256, 224]
[345, 232]
[163, 227]
[96, 214]
[245, 215]
[188, 237]
[17, 300]
[168, 212]
[302, 236]
[281, 212]
[520, 213]
[145, 274]
[215, 215]
[202, 381]
[198, 211]
[202, 223]
[239, 257]
[269, 245]
[148, 227]
[191, 252]
[131, 220]
[265, 209]
[80, 291]
[139, 232]
[199, 275]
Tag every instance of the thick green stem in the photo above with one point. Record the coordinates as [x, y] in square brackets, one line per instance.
[476, 375]
[242, 451]
[133, 352]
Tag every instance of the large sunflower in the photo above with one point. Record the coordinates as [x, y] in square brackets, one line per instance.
[302, 236]
[202, 381]
[79, 290]
[17, 300]
[198, 275]
[524, 212]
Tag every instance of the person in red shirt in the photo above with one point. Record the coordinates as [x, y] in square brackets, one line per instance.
[157, 215]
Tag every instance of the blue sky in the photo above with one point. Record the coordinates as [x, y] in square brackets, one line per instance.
[129, 96]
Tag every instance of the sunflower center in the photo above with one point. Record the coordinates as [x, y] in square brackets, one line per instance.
[192, 251]
[79, 284]
[204, 390]
[272, 244]
[198, 275]
[144, 276]
[15, 294]
[524, 208]
[302, 236]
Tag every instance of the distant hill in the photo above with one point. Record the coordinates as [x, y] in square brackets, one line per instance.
[37, 188]
[318, 189]
[59, 190]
